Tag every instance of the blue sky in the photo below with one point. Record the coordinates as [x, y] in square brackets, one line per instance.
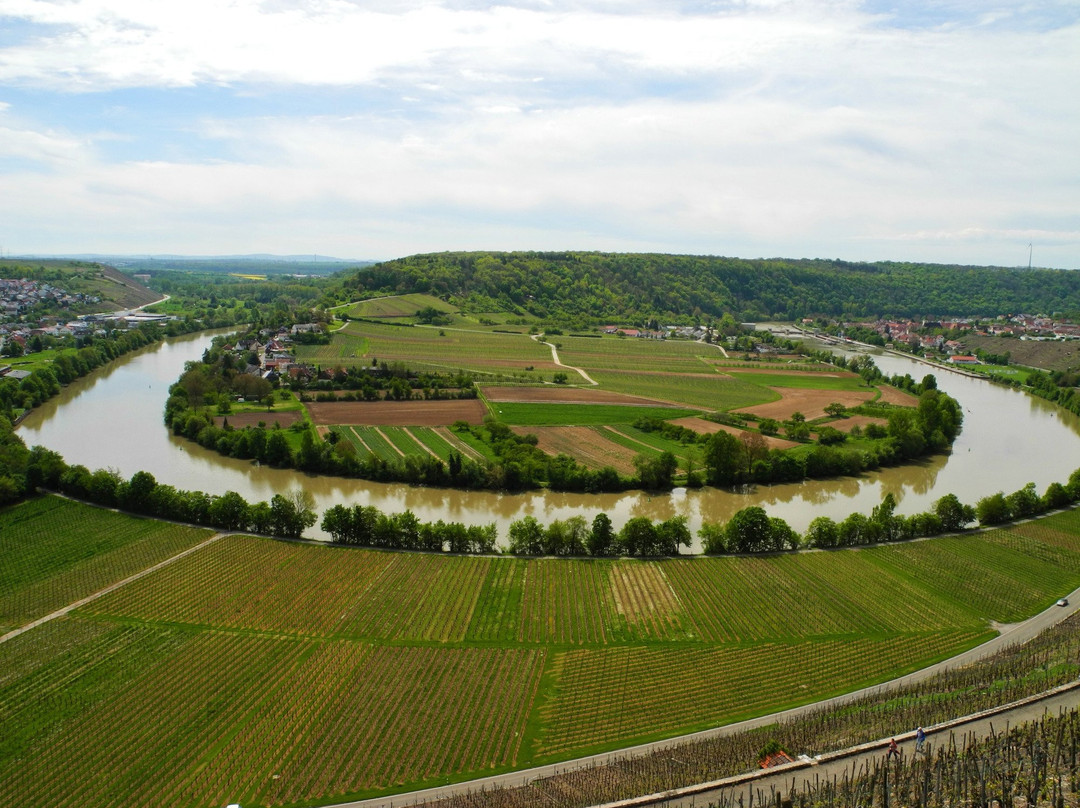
[925, 131]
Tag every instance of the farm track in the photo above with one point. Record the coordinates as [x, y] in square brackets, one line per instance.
[112, 587]
[557, 361]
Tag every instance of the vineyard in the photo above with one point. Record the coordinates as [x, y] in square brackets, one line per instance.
[54, 551]
[275, 673]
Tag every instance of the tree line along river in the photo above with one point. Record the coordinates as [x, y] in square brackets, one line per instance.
[113, 419]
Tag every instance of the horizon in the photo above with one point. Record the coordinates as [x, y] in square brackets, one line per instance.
[105, 257]
[923, 132]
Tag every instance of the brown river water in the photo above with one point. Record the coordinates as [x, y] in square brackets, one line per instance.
[113, 418]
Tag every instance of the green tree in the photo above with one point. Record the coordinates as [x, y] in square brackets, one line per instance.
[954, 515]
[723, 459]
[713, 538]
[993, 509]
[656, 472]
[748, 531]
[601, 540]
[671, 535]
[638, 537]
[278, 452]
[822, 532]
[526, 536]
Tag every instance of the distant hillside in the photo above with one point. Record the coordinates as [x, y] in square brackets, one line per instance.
[635, 287]
[116, 290]
[256, 264]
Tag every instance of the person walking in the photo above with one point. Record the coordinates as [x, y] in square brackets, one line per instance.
[893, 749]
[920, 740]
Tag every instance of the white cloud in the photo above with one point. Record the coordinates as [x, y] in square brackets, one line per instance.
[782, 128]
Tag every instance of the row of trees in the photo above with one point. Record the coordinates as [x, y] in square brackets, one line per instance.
[640, 536]
[752, 530]
[285, 515]
[367, 526]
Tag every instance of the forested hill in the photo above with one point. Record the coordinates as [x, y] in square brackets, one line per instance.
[635, 287]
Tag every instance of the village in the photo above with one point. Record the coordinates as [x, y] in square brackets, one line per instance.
[19, 296]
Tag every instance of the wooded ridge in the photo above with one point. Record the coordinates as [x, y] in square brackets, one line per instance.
[589, 286]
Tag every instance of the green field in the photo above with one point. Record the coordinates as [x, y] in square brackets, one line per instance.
[395, 442]
[806, 381]
[349, 672]
[709, 392]
[630, 353]
[446, 350]
[522, 414]
[399, 306]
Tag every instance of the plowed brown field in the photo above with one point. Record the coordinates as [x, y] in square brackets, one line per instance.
[705, 427]
[811, 403]
[239, 420]
[890, 395]
[583, 444]
[397, 413]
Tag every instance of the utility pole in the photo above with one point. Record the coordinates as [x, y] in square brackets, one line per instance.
[1029, 255]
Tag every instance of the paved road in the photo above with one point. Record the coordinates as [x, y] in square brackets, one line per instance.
[1010, 635]
[825, 767]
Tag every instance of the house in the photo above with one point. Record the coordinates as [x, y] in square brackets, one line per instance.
[963, 360]
[775, 759]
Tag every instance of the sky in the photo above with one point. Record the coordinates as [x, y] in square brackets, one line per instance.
[945, 131]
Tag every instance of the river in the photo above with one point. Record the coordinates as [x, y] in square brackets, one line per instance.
[113, 418]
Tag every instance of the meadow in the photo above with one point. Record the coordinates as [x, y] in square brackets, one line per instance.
[279, 673]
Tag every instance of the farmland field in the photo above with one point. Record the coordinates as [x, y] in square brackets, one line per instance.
[521, 414]
[448, 349]
[585, 444]
[279, 673]
[397, 413]
[809, 402]
[620, 381]
[710, 391]
[615, 353]
[398, 306]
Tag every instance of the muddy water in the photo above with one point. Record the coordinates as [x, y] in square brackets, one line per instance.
[113, 419]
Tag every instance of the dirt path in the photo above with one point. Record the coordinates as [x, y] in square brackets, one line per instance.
[389, 442]
[79, 603]
[421, 444]
[557, 361]
[716, 345]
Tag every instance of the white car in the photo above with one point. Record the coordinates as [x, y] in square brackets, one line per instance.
[1063, 602]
